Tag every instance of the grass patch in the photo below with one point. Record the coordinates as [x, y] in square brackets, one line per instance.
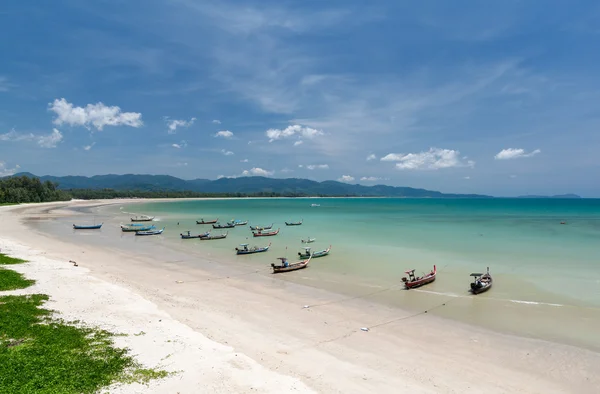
[42, 354]
[11, 280]
[7, 260]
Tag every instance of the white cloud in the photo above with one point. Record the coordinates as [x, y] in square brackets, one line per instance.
[511, 153]
[256, 171]
[181, 164]
[370, 179]
[286, 170]
[182, 144]
[244, 161]
[371, 157]
[224, 134]
[317, 166]
[5, 86]
[50, 140]
[97, 115]
[5, 171]
[433, 159]
[467, 177]
[175, 123]
[227, 152]
[13, 135]
[90, 146]
[291, 131]
[299, 142]
[300, 166]
[216, 121]
[346, 178]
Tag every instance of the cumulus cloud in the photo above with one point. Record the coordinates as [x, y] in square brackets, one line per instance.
[371, 157]
[299, 142]
[346, 178]
[216, 121]
[90, 146]
[97, 115]
[256, 171]
[244, 161]
[224, 134]
[5, 171]
[433, 159]
[511, 153]
[370, 179]
[180, 145]
[317, 166]
[13, 135]
[50, 140]
[173, 124]
[227, 152]
[296, 130]
[467, 177]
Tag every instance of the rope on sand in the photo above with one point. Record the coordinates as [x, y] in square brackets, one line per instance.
[350, 298]
[218, 278]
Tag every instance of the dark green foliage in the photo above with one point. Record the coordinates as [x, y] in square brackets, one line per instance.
[39, 354]
[7, 260]
[11, 280]
[24, 189]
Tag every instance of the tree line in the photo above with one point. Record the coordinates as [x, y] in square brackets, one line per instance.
[23, 189]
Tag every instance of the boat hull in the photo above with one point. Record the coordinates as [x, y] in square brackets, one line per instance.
[207, 222]
[291, 267]
[269, 234]
[241, 251]
[419, 283]
[94, 227]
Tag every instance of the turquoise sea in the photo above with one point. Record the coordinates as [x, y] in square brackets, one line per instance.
[546, 274]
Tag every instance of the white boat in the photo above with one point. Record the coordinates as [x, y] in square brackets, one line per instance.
[150, 232]
[315, 205]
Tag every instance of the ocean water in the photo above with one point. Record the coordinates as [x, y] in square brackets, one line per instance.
[546, 274]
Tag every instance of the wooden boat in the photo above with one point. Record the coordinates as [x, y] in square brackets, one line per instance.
[257, 228]
[414, 281]
[226, 225]
[294, 223]
[191, 236]
[136, 227]
[150, 232]
[307, 253]
[481, 282]
[260, 233]
[308, 240]
[142, 218]
[210, 237]
[244, 249]
[240, 223]
[285, 266]
[202, 221]
[315, 205]
[87, 227]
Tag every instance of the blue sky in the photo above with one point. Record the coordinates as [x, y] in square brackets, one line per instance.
[463, 96]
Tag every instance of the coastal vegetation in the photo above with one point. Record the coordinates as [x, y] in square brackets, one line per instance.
[24, 189]
[44, 354]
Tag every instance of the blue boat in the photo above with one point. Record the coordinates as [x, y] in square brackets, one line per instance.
[137, 227]
[244, 249]
[87, 227]
[150, 232]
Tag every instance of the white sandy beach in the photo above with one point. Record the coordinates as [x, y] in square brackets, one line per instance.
[252, 335]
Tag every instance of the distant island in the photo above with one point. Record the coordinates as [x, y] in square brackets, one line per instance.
[133, 185]
[555, 196]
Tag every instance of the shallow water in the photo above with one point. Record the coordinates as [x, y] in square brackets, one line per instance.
[546, 275]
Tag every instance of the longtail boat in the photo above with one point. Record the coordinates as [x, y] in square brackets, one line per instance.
[294, 223]
[189, 235]
[307, 253]
[226, 225]
[260, 233]
[256, 228]
[481, 282]
[414, 281]
[136, 227]
[142, 218]
[87, 227]
[202, 221]
[308, 240]
[210, 237]
[285, 266]
[244, 249]
[240, 223]
[150, 232]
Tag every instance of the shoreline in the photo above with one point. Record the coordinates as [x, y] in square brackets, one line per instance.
[263, 318]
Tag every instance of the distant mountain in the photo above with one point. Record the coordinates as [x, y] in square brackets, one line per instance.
[244, 185]
[555, 196]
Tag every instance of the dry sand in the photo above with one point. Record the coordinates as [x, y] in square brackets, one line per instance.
[251, 334]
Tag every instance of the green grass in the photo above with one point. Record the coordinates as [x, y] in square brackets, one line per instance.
[7, 260]
[8, 203]
[11, 280]
[42, 354]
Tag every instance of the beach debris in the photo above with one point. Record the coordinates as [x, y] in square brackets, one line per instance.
[74, 263]
[306, 306]
[178, 281]
[366, 329]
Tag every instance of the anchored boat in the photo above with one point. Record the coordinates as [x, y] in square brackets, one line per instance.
[415, 281]
[244, 249]
[481, 282]
[150, 232]
[260, 233]
[87, 227]
[308, 253]
[285, 265]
